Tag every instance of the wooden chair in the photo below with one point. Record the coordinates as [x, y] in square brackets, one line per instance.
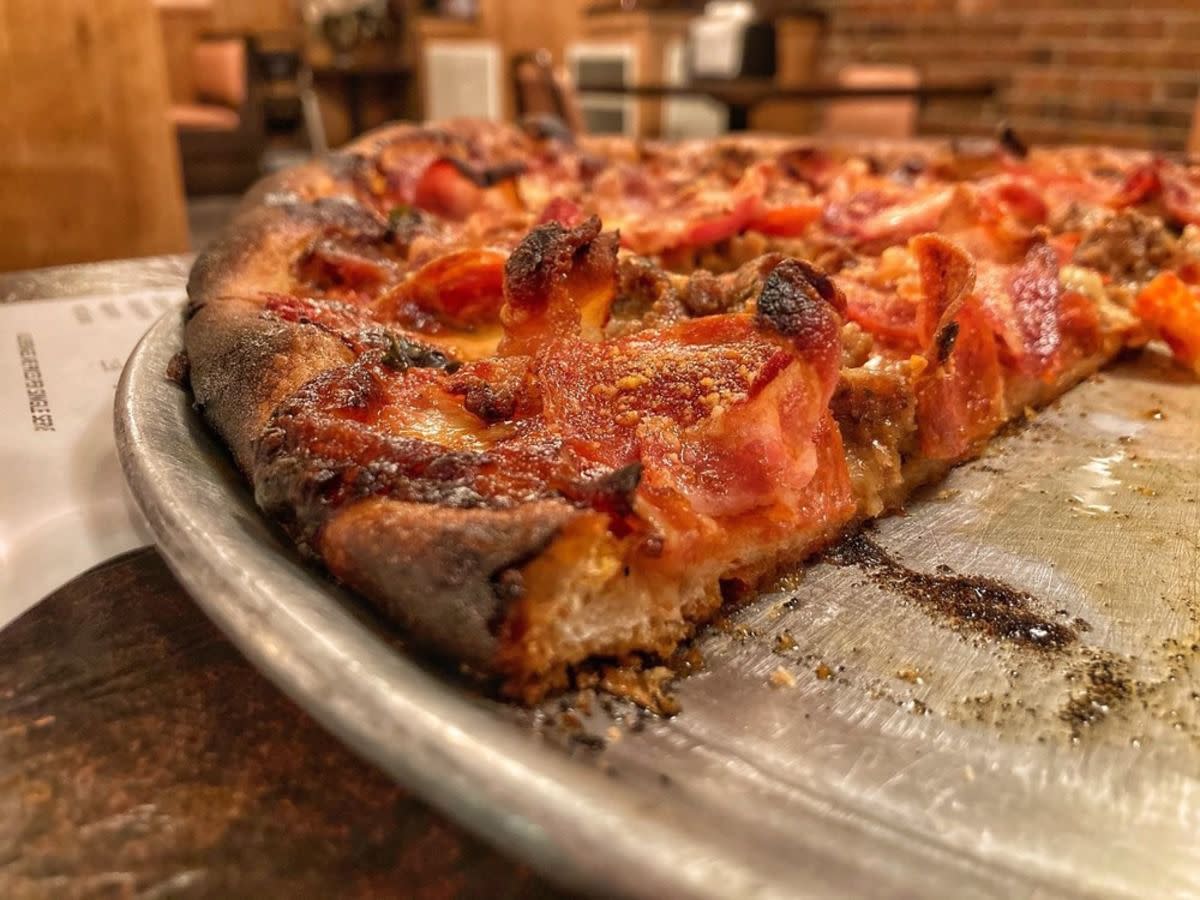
[221, 126]
[541, 88]
[88, 166]
[885, 117]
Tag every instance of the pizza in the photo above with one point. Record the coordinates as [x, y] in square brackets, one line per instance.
[547, 401]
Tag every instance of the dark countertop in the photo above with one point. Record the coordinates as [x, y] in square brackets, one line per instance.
[142, 756]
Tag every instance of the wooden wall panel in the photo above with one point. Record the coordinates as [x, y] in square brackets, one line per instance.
[89, 167]
[182, 24]
[255, 16]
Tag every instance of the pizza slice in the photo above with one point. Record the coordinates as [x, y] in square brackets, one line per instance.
[536, 441]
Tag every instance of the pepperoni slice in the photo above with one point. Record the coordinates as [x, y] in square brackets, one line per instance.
[462, 290]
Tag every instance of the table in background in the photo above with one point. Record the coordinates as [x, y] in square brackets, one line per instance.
[143, 756]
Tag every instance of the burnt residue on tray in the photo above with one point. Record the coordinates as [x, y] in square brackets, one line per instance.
[982, 604]
[1106, 686]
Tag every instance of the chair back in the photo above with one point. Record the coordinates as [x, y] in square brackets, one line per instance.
[219, 71]
[542, 88]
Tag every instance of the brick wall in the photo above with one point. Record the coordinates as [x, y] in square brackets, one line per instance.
[1069, 70]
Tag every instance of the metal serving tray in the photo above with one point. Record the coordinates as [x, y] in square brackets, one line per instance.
[887, 744]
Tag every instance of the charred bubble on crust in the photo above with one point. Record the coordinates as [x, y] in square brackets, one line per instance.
[544, 127]
[946, 339]
[610, 493]
[403, 353]
[800, 301]
[970, 601]
[1011, 142]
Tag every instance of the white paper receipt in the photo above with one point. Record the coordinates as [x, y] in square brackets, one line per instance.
[63, 502]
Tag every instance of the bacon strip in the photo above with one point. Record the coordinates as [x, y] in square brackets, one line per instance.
[960, 400]
[720, 411]
[1024, 304]
[905, 317]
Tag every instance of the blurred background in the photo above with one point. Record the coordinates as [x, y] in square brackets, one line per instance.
[131, 126]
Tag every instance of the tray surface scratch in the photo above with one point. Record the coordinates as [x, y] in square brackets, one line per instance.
[866, 726]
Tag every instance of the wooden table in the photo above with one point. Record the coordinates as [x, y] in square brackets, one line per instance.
[741, 95]
[142, 756]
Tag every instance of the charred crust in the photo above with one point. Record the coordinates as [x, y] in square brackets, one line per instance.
[340, 215]
[448, 576]
[179, 369]
[611, 492]
[243, 365]
[485, 176]
[946, 339]
[307, 466]
[800, 301]
[498, 174]
[345, 166]
[255, 250]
